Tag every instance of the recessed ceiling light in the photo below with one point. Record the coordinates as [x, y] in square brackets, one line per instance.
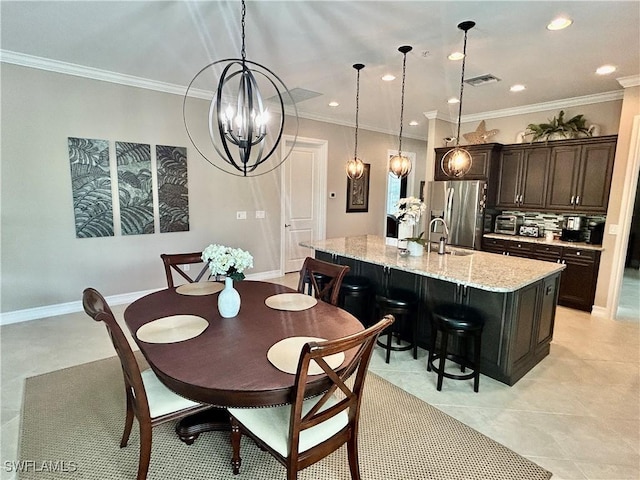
[456, 56]
[413, 123]
[333, 104]
[517, 88]
[388, 77]
[606, 70]
[559, 23]
[453, 100]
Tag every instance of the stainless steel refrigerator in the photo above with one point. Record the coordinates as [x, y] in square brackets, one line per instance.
[461, 205]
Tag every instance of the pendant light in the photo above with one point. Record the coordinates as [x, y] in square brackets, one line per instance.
[237, 118]
[399, 165]
[355, 167]
[457, 161]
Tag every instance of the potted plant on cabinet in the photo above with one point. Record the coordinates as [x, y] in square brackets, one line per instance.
[558, 128]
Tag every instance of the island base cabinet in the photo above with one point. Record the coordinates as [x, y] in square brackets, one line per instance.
[518, 325]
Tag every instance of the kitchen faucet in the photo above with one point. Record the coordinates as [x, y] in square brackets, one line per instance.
[446, 231]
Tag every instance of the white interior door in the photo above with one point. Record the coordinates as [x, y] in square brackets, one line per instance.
[304, 184]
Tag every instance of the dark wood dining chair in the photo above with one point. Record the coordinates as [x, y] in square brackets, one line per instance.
[147, 398]
[322, 279]
[173, 262]
[303, 433]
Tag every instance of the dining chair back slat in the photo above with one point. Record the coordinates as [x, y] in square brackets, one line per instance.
[322, 279]
[173, 262]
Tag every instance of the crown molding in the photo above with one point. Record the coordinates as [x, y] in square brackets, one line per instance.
[545, 106]
[631, 81]
[31, 61]
[57, 66]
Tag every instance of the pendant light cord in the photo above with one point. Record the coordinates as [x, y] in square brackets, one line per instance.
[464, 59]
[404, 68]
[355, 153]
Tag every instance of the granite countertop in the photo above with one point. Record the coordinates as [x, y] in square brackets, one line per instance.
[559, 243]
[486, 271]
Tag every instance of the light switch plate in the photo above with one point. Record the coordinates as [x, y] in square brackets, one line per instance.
[613, 230]
[259, 213]
[241, 215]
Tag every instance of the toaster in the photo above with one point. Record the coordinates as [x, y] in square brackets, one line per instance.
[529, 231]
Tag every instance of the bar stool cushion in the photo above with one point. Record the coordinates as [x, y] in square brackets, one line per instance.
[458, 317]
[355, 283]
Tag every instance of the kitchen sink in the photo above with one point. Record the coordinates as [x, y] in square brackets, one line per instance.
[459, 253]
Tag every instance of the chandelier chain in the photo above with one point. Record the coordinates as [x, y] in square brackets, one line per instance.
[243, 52]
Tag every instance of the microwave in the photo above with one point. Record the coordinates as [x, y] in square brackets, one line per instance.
[508, 224]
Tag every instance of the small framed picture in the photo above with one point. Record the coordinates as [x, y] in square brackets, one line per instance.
[358, 192]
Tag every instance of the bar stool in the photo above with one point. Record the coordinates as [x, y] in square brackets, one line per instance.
[463, 322]
[402, 305]
[355, 297]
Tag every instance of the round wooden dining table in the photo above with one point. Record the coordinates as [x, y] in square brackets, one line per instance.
[226, 365]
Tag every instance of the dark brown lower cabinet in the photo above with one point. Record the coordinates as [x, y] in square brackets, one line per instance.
[519, 325]
[578, 284]
[579, 278]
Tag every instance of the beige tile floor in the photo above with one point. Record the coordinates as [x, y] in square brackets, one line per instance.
[577, 413]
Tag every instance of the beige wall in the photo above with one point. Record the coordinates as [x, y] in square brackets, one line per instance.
[630, 109]
[43, 263]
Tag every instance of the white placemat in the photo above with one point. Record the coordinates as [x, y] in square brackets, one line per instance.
[175, 328]
[200, 288]
[293, 302]
[284, 355]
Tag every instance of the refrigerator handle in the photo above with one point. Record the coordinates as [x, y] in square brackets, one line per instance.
[448, 207]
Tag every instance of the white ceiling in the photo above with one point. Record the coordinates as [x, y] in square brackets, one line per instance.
[313, 44]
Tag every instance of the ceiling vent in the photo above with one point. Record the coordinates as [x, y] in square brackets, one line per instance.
[482, 80]
[297, 94]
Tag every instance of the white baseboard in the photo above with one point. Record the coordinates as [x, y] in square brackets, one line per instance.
[601, 312]
[73, 307]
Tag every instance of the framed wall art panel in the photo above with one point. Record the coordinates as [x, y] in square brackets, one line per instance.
[173, 190]
[135, 192]
[91, 187]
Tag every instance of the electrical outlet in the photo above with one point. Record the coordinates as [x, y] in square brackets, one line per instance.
[259, 213]
[613, 230]
[241, 215]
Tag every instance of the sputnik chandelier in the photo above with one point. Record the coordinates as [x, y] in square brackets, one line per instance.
[355, 166]
[399, 165]
[241, 135]
[457, 161]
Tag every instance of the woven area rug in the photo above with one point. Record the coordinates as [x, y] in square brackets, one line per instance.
[73, 419]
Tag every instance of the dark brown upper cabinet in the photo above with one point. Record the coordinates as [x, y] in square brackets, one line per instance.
[523, 177]
[581, 175]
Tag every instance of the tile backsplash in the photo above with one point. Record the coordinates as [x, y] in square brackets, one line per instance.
[552, 222]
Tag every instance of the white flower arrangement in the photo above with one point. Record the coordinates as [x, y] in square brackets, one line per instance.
[228, 261]
[409, 210]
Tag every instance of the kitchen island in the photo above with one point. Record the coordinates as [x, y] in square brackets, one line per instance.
[516, 296]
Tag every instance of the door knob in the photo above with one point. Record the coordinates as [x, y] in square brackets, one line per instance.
[287, 225]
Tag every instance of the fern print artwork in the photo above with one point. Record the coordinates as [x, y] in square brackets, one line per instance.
[173, 191]
[91, 186]
[135, 188]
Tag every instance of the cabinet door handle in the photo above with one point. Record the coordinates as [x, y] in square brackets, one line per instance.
[521, 198]
[515, 198]
[578, 200]
[573, 198]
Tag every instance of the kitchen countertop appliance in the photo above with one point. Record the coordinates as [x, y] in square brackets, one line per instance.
[572, 228]
[508, 224]
[595, 232]
[461, 204]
